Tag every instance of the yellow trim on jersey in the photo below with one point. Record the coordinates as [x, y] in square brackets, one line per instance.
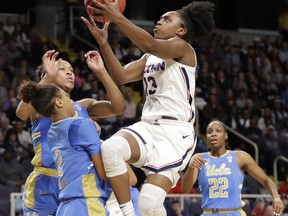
[89, 186]
[36, 135]
[221, 155]
[29, 191]
[36, 161]
[223, 211]
[64, 119]
[75, 115]
[90, 192]
[95, 207]
[46, 171]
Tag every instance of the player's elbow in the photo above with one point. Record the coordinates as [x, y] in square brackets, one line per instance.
[120, 109]
[102, 175]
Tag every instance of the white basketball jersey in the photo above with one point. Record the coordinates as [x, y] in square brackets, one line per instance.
[169, 87]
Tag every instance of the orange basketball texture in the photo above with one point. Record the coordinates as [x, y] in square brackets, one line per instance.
[122, 5]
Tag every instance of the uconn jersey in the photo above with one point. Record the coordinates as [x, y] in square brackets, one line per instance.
[169, 87]
[220, 180]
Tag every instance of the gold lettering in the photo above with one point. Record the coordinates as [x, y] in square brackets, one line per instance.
[213, 171]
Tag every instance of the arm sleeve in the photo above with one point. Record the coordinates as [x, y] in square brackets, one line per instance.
[83, 135]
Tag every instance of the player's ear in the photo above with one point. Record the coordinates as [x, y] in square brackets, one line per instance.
[181, 31]
[58, 103]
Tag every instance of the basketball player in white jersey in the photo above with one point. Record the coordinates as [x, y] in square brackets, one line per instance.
[163, 142]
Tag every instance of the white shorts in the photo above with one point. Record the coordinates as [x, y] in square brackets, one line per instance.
[166, 146]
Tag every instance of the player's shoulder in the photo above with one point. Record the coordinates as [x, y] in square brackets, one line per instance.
[243, 157]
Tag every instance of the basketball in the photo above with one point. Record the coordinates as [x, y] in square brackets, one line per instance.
[122, 5]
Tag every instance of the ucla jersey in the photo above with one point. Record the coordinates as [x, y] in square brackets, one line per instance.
[170, 89]
[220, 181]
[72, 142]
[43, 157]
[40, 195]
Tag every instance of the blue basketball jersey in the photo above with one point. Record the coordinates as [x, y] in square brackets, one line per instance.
[39, 131]
[220, 180]
[72, 142]
[41, 191]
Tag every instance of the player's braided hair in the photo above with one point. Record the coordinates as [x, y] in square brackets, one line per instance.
[198, 19]
[40, 96]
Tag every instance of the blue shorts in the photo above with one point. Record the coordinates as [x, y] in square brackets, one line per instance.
[40, 196]
[83, 207]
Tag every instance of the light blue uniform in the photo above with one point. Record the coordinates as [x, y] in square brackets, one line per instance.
[72, 142]
[220, 181]
[40, 196]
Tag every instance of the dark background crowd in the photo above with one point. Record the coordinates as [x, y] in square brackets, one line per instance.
[243, 83]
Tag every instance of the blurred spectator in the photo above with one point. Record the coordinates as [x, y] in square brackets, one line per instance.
[9, 25]
[130, 113]
[175, 208]
[2, 146]
[199, 99]
[23, 136]
[213, 109]
[269, 148]
[232, 119]
[117, 47]
[80, 62]
[285, 201]
[240, 99]
[259, 208]
[11, 111]
[50, 43]
[266, 119]
[5, 125]
[269, 211]
[251, 185]
[4, 81]
[3, 42]
[132, 53]
[5, 35]
[279, 113]
[244, 120]
[19, 36]
[22, 20]
[3, 98]
[283, 187]
[253, 132]
[11, 142]
[11, 172]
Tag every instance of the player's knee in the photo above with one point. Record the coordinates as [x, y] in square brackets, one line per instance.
[151, 200]
[115, 151]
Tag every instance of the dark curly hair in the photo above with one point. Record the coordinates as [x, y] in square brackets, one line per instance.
[40, 72]
[198, 19]
[40, 96]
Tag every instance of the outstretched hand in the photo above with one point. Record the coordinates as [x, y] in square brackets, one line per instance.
[107, 9]
[100, 35]
[50, 63]
[95, 63]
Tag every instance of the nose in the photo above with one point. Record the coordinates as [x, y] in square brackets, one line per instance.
[69, 72]
[159, 22]
[213, 134]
